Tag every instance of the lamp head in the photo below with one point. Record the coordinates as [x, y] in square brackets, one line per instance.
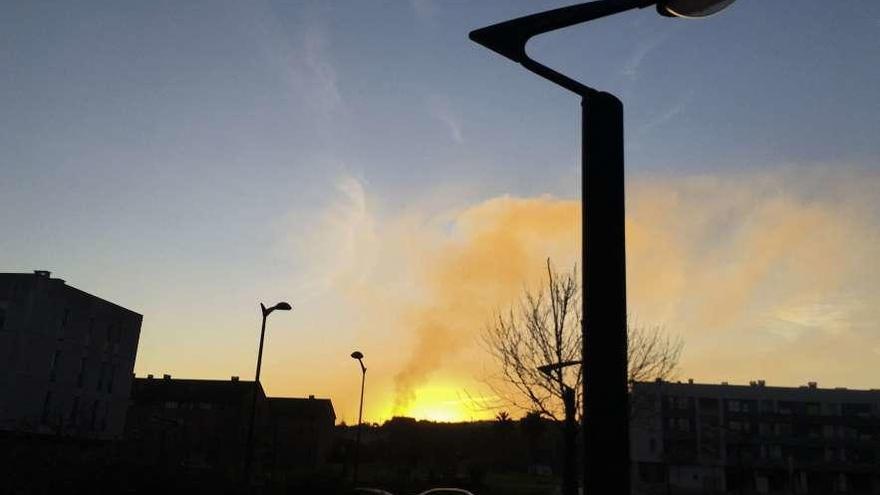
[283, 306]
[357, 355]
[691, 8]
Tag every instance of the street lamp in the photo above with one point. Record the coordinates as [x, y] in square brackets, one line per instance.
[606, 413]
[357, 444]
[249, 447]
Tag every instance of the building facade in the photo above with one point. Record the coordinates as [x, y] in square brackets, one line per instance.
[703, 438]
[202, 425]
[299, 433]
[66, 358]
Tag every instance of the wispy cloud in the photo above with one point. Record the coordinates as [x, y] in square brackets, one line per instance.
[441, 109]
[339, 243]
[674, 109]
[319, 69]
[304, 58]
[633, 64]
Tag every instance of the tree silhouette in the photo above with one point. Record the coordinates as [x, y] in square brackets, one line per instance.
[545, 328]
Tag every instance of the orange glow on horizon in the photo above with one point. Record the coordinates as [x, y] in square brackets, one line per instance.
[443, 403]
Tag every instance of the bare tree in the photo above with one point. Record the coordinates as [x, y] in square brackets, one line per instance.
[545, 328]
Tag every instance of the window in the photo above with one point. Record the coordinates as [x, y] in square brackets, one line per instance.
[90, 330]
[860, 410]
[110, 379]
[652, 445]
[733, 406]
[171, 404]
[828, 431]
[105, 415]
[117, 338]
[776, 452]
[101, 376]
[47, 403]
[842, 483]
[94, 415]
[762, 484]
[18, 291]
[81, 376]
[678, 402]
[65, 319]
[74, 410]
[831, 409]
[53, 367]
[708, 404]
[830, 454]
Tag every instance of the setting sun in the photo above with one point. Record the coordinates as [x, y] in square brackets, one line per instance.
[443, 403]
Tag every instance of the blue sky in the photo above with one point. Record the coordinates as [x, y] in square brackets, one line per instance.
[185, 159]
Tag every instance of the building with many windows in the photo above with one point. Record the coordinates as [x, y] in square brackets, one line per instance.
[702, 438]
[66, 358]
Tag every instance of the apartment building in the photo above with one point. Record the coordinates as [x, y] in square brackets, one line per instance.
[66, 358]
[705, 438]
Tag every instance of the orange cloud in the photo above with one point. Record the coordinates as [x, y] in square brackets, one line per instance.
[765, 275]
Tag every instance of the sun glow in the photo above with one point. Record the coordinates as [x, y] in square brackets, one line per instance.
[442, 403]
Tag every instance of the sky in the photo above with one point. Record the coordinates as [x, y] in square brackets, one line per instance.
[399, 184]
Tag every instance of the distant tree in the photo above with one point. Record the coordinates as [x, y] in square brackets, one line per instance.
[545, 328]
[503, 417]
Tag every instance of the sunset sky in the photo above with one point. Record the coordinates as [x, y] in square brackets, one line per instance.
[398, 184]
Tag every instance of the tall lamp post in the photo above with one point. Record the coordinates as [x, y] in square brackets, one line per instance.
[606, 412]
[357, 444]
[249, 446]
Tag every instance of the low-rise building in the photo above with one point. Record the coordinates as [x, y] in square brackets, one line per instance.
[703, 438]
[66, 358]
[203, 424]
[299, 432]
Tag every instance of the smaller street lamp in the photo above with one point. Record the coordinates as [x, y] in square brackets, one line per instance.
[357, 445]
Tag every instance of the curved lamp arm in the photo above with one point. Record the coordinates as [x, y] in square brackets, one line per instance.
[509, 38]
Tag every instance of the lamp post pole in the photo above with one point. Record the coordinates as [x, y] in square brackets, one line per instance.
[606, 396]
[249, 445]
[357, 444]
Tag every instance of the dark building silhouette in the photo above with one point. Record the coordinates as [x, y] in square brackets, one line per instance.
[202, 425]
[701, 438]
[66, 358]
[299, 433]
[196, 423]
